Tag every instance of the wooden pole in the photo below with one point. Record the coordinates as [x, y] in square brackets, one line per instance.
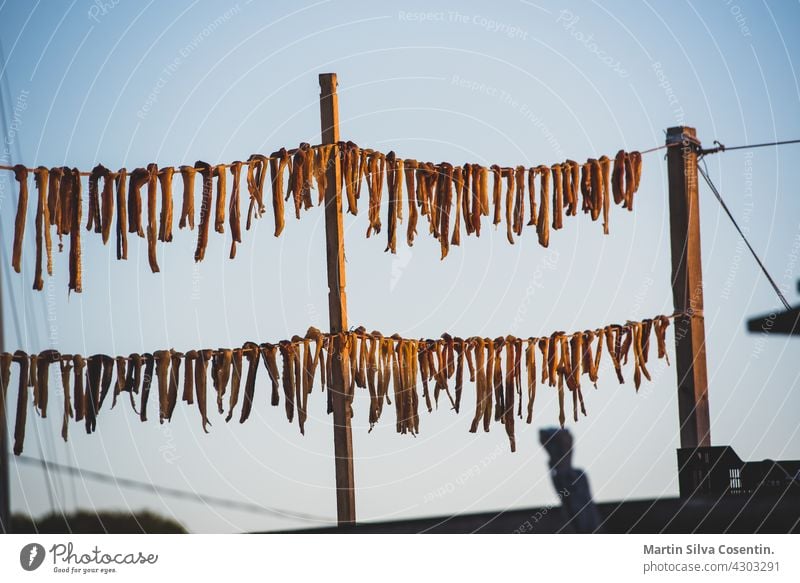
[337, 304]
[687, 288]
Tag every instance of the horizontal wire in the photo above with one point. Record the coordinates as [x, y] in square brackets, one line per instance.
[723, 148]
[168, 491]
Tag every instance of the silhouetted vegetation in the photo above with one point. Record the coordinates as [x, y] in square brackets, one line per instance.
[84, 522]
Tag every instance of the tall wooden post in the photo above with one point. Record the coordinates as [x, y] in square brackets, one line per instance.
[687, 288]
[337, 304]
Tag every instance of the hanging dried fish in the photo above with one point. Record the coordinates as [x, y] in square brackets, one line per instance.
[53, 200]
[633, 174]
[375, 172]
[636, 162]
[187, 207]
[480, 196]
[75, 276]
[490, 383]
[134, 377]
[532, 196]
[351, 155]
[66, 369]
[122, 214]
[149, 366]
[605, 170]
[530, 367]
[279, 161]
[42, 228]
[269, 353]
[509, 176]
[410, 169]
[297, 183]
[519, 199]
[32, 379]
[483, 182]
[466, 198]
[106, 379]
[256, 177]
[220, 171]
[94, 370]
[78, 394]
[460, 348]
[560, 344]
[163, 360]
[558, 196]
[21, 358]
[107, 204]
[543, 222]
[252, 353]
[618, 178]
[393, 180]
[497, 379]
[234, 210]
[5, 377]
[574, 187]
[458, 185]
[444, 193]
[93, 218]
[286, 349]
[237, 362]
[613, 343]
[480, 382]
[544, 347]
[324, 156]
[586, 187]
[174, 374]
[661, 323]
[201, 382]
[205, 209]
[65, 203]
[152, 231]
[422, 186]
[138, 178]
[188, 376]
[46, 358]
[497, 193]
[21, 176]
[510, 379]
[165, 220]
[596, 188]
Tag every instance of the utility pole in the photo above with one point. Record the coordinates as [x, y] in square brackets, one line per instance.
[687, 287]
[337, 304]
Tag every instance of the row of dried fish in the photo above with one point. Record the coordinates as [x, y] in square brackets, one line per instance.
[388, 367]
[441, 192]
[438, 192]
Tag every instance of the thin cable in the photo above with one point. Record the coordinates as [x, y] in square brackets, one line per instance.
[704, 172]
[723, 148]
[174, 492]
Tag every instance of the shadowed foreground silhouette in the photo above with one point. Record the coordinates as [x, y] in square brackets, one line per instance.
[83, 522]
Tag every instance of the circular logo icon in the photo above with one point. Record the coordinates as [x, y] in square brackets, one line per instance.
[31, 556]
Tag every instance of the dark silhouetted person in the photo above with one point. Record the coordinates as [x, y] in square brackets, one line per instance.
[571, 484]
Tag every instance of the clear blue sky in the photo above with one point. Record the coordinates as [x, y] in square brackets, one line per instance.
[513, 83]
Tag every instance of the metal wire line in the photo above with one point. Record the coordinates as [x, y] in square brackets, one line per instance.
[704, 172]
[174, 492]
